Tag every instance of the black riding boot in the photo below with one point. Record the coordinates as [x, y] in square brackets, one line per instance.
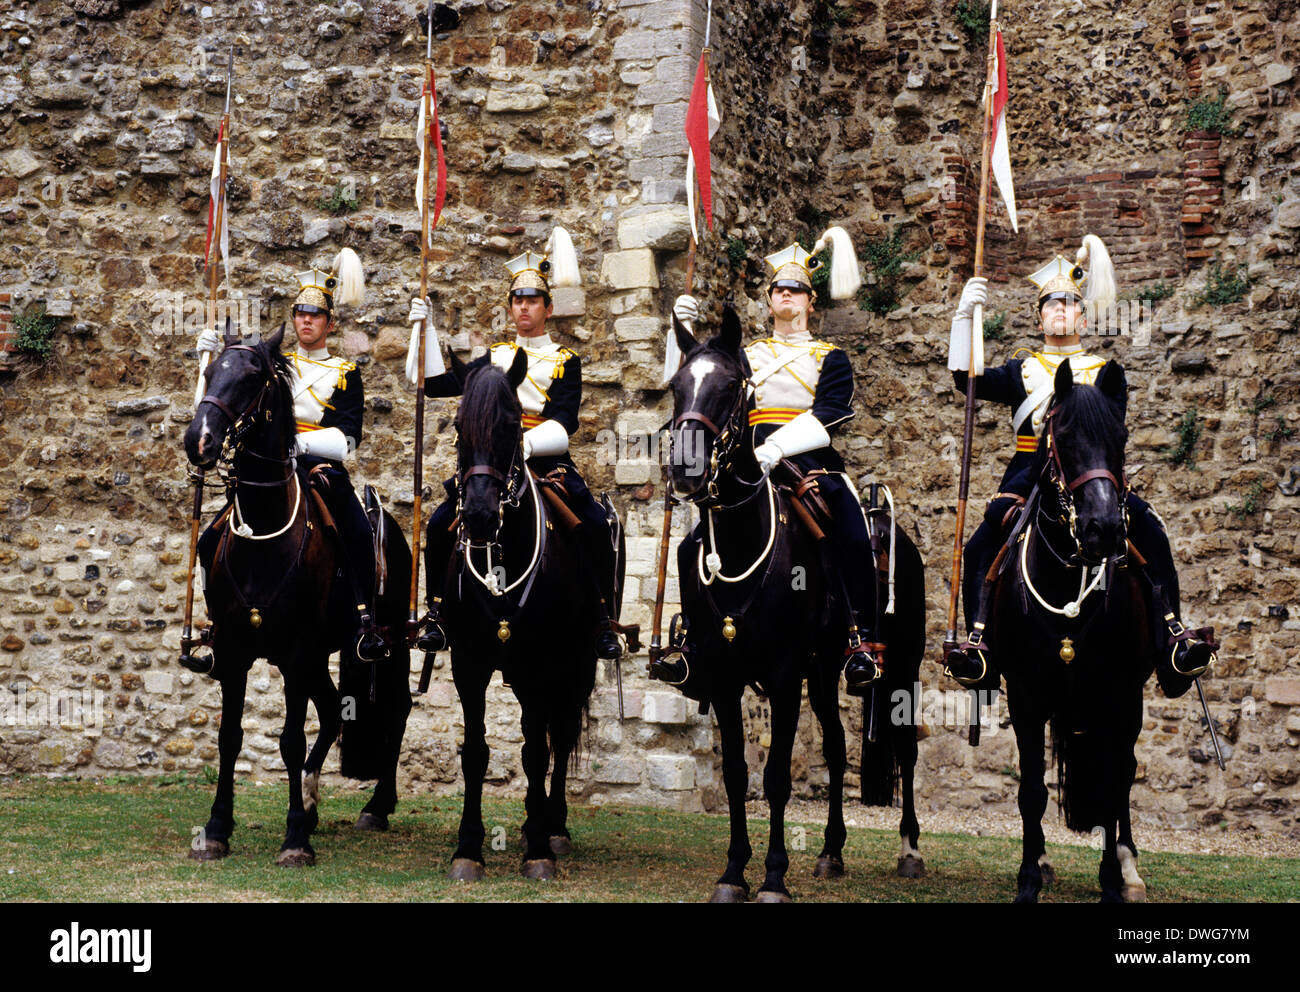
[599, 552]
[969, 662]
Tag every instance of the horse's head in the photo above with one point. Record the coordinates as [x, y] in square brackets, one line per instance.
[246, 388]
[709, 405]
[489, 432]
[1085, 458]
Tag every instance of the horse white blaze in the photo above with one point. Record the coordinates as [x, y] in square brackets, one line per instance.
[701, 369]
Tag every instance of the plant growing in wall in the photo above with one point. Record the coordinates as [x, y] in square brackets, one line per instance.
[737, 252]
[34, 334]
[973, 17]
[341, 201]
[1210, 114]
[1189, 432]
[1253, 502]
[1224, 285]
[995, 326]
[885, 260]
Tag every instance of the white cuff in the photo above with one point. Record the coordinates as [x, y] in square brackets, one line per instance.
[959, 345]
[328, 442]
[547, 439]
[433, 365]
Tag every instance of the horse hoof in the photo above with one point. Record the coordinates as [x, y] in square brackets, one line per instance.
[766, 896]
[296, 857]
[911, 867]
[539, 869]
[729, 893]
[1134, 893]
[466, 870]
[371, 822]
[1025, 895]
[829, 866]
[561, 846]
[210, 850]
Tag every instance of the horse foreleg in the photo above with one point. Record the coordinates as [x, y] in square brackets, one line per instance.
[395, 697]
[1109, 874]
[539, 862]
[296, 852]
[823, 696]
[732, 887]
[467, 863]
[214, 840]
[776, 788]
[325, 697]
[1032, 800]
[1135, 890]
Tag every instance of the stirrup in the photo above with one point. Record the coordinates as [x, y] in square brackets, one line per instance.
[671, 670]
[370, 646]
[1197, 649]
[434, 638]
[966, 657]
[864, 665]
[608, 645]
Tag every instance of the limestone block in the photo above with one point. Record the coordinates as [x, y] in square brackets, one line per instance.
[664, 707]
[671, 772]
[568, 301]
[514, 98]
[633, 473]
[1282, 691]
[618, 770]
[637, 329]
[632, 269]
[159, 683]
[661, 228]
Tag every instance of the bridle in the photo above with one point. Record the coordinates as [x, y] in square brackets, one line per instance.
[725, 442]
[1055, 474]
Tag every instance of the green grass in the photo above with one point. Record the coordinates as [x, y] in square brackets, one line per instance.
[82, 842]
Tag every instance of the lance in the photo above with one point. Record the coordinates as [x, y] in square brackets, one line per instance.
[963, 488]
[216, 233]
[428, 138]
[702, 85]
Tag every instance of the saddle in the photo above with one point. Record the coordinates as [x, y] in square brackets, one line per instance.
[803, 489]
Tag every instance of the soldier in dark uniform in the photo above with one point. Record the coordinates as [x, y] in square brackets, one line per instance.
[803, 389]
[328, 401]
[1025, 385]
[550, 395]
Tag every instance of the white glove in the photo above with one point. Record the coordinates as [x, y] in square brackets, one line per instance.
[687, 311]
[211, 341]
[547, 439]
[432, 350]
[973, 294]
[804, 433]
[328, 442]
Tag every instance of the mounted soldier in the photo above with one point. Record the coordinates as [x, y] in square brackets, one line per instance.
[328, 401]
[802, 388]
[550, 395]
[1067, 293]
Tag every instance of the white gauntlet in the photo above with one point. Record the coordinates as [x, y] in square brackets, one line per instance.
[804, 433]
[547, 439]
[432, 351]
[973, 294]
[328, 442]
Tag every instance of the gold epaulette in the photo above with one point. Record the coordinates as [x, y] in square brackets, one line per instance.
[563, 356]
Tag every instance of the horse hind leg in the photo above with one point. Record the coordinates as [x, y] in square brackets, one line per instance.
[467, 863]
[329, 711]
[1032, 800]
[539, 859]
[1134, 890]
[910, 862]
[564, 741]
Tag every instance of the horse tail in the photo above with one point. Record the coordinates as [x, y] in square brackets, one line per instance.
[1079, 777]
[879, 758]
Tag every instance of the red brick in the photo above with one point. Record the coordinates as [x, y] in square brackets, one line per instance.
[1105, 177]
[1200, 231]
[6, 297]
[1191, 218]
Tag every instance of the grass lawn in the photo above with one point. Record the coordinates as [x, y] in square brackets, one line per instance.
[129, 840]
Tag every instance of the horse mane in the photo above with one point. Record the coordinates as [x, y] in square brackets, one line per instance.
[282, 401]
[487, 392]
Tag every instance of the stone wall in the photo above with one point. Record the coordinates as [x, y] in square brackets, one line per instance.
[860, 113]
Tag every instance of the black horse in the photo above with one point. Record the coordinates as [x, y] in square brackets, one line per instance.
[763, 607]
[276, 589]
[1071, 633]
[512, 603]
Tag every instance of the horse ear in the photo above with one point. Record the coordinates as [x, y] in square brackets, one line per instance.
[518, 368]
[731, 331]
[1064, 380]
[274, 341]
[686, 342]
[230, 335]
[1113, 383]
[458, 369]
